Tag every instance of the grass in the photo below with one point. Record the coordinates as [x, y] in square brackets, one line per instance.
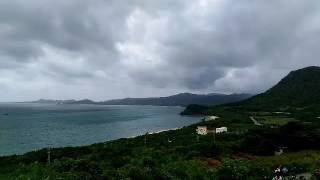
[300, 162]
[275, 120]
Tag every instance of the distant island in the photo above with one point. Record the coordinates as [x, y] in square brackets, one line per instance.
[182, 99]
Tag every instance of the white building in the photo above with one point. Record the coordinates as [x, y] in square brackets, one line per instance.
[279, 152]
[221, 130]
[202, 130]
[210, 118]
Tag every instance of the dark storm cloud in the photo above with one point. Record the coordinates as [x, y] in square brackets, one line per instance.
[229, 36]
[109, 48]
[63, 25]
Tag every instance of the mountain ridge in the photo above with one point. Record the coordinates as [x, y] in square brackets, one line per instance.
[300, 89]
[181, 99]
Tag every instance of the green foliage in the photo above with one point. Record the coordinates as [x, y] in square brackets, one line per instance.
[195, 109]
[299, 89]
[297, 93]
[275, 120]
[194, 169]
[88, 169]
[232, 170]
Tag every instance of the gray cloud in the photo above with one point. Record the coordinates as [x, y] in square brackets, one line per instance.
[108, 49]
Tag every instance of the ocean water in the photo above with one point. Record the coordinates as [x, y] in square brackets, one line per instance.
[29, 126]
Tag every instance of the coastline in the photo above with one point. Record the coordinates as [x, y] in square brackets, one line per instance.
[155, 132]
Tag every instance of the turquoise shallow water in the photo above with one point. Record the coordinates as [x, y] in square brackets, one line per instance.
[26, 127]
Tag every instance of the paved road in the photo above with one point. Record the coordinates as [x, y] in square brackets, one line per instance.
[255, 121]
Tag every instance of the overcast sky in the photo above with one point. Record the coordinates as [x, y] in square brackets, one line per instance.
[105, 49]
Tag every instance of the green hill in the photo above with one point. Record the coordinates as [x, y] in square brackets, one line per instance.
[298, 92]
[300, 88]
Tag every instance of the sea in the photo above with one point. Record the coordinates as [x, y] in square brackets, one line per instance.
[27, 127]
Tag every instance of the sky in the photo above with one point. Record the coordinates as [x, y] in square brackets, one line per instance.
[106, 49]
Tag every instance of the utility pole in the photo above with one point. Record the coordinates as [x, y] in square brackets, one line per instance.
[49, 156]
[145, 138]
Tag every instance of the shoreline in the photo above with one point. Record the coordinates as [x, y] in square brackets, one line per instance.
[155, 132]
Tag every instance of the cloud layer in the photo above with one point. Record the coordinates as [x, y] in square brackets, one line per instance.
[104, 49]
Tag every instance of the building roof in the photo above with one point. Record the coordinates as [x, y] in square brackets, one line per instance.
[202, 126]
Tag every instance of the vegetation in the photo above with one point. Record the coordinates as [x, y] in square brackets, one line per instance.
[299, 89]
[297, 93]
[275, 121]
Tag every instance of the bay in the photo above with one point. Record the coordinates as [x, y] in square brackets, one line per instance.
[26, 127]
